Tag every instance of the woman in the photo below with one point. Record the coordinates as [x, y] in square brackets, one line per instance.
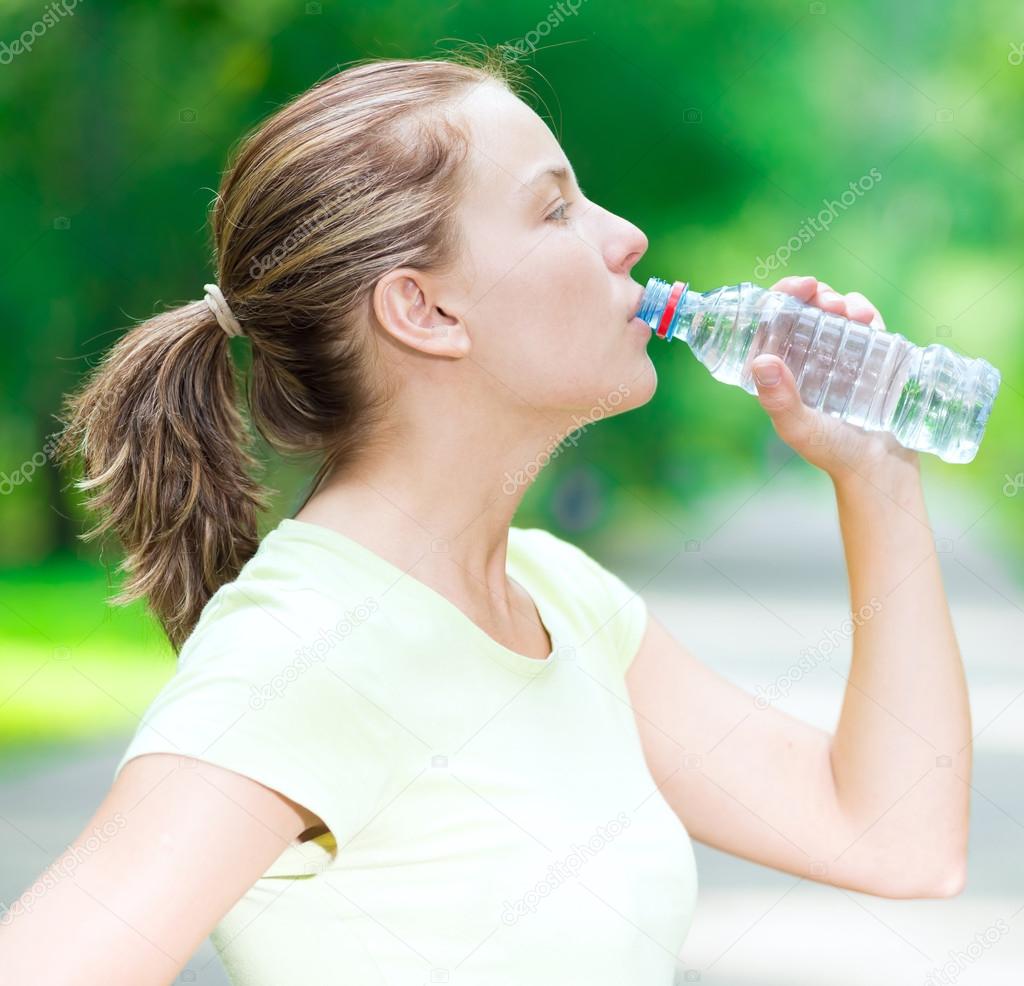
[407, 742]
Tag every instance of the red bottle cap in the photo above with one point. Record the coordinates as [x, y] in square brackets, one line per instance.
[669, 313]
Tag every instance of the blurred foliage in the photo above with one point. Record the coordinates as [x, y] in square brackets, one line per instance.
[718, 128]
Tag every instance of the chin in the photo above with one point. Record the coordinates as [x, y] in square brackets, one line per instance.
[632, 392]
[643, 386]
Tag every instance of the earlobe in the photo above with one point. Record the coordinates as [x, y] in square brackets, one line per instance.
[453, 330]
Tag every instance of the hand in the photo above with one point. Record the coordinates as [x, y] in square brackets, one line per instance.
[840, 449]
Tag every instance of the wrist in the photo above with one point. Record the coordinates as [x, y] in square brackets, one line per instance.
[898, 480]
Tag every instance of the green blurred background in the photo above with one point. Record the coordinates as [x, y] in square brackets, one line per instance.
[718, 128]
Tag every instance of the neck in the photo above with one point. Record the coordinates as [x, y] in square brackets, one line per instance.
[439, 504]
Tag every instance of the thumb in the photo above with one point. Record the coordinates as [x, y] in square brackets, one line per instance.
[776, 389]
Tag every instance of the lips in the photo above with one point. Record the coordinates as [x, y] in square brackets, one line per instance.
[634, 311]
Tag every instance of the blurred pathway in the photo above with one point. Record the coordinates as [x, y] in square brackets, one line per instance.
[763, 579]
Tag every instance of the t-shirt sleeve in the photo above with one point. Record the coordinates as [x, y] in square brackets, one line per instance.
[627, 620]
[621, 615]
[251, 694]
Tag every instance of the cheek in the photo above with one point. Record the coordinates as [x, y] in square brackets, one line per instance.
[529, 297]
[559, 291]
[541, 322]
[529, 356]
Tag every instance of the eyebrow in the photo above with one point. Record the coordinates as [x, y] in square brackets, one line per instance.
[559, 171]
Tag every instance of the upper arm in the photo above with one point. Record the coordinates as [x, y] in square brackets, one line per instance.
[752, 781]
[172, 847]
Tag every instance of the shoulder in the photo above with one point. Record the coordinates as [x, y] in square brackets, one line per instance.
[544, 547]
[561, 563]
[538, 541]
[600, 601]
[272, 610]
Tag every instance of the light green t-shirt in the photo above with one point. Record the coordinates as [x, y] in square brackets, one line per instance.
[492, 817]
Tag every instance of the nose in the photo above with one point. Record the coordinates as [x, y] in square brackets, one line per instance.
[625, 247]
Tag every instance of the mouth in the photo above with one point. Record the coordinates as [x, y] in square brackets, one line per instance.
[635, 310]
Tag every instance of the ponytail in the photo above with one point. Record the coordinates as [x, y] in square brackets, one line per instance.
[166, 463]
[359, 175]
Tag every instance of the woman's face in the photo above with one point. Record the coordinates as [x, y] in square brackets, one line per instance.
[544, 288]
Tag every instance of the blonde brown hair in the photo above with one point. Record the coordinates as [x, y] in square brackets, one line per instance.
[357, 176]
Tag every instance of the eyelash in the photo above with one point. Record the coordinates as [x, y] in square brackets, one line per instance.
[564, 219]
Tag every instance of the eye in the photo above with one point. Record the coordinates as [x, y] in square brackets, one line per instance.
[559, 215]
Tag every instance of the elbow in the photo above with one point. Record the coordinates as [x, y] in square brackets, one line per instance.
[948, 881]
[952, 879]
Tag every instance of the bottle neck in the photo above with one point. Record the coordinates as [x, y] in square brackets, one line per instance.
[668, 308]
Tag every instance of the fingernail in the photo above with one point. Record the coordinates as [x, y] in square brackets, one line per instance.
[767, 375]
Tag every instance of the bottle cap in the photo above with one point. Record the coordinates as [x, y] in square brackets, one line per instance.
[676, 292]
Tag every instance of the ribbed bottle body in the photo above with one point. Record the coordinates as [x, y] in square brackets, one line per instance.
[930, 398]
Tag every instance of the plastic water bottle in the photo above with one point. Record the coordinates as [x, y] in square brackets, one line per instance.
[930, 398]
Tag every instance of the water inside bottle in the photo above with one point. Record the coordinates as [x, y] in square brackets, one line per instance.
[930, 398]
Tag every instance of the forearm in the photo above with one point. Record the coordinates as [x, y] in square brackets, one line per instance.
[906, 708]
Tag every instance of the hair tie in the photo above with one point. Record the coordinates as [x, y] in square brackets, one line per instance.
[214, 298]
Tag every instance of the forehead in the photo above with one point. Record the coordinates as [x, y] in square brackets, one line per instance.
[509, 142]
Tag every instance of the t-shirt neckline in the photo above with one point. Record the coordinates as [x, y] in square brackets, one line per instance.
[328, 537]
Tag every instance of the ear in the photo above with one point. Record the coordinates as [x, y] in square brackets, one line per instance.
[406, 305]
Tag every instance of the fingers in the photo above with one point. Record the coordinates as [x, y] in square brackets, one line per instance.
[829, 300]
[800, 287]
[821, 294]
[859, 308]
